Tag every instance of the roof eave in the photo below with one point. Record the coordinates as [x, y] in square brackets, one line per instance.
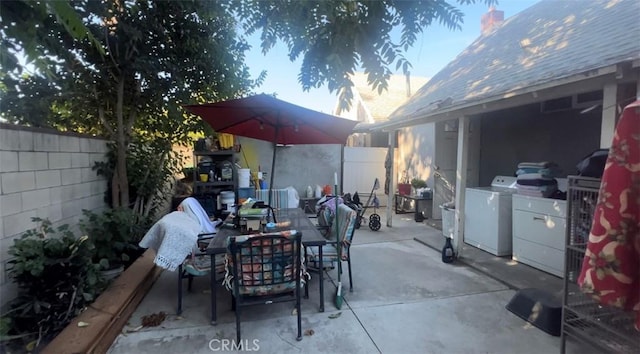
[471, 107]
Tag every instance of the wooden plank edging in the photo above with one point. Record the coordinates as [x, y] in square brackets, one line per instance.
[109, 313]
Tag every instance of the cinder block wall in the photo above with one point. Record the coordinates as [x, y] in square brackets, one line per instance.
[46, 174]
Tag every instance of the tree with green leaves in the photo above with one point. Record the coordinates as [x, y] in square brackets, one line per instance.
[24, 28]
[337, 38]
[152, 57]
[125, 67]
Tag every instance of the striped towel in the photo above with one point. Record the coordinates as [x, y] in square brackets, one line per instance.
[542, 164]
[532, 176]
[544, 172]
[537, 191]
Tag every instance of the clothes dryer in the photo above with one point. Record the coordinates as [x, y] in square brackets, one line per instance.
[487, 216]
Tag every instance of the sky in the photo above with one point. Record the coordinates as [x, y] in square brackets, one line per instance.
[434, 49]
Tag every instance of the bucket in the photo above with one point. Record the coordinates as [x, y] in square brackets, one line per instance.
[227, 200]
[244, 176]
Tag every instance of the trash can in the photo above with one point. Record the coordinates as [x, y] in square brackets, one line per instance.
[423, 209]
[448, 219]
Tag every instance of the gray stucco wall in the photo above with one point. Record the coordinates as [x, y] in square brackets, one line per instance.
[427, 149]
[524, 134]
[44, 174]
[416, 152]
[297, 166]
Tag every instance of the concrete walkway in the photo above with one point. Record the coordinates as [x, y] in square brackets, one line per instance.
[405, 300]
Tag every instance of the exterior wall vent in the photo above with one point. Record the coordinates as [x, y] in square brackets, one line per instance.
[587, 99]
[557, 104]
[578, 101]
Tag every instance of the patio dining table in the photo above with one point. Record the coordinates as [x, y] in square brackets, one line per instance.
[297, 220]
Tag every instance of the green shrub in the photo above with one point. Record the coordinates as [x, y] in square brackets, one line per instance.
[114, 234]
[56, 279]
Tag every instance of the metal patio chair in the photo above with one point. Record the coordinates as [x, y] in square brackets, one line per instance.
[347, 218]
[265, 269]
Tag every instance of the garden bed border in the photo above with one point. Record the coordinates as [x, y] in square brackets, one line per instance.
[109, 313]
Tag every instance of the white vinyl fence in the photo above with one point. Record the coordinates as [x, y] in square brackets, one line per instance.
[361, 167]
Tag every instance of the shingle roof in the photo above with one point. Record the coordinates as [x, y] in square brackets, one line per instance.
[382, 105]
[550, 40]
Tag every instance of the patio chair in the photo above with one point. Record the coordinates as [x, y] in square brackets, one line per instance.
[198, 263]
[264, 269]
[346, 223]
[324, 214]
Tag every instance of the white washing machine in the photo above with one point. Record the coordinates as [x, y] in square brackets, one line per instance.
[487, 216]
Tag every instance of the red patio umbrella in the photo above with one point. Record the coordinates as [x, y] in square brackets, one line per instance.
[267, 118]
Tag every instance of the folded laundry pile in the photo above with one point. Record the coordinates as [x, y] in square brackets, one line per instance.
[537, 179]
[545, 168]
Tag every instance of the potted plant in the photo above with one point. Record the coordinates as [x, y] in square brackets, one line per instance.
[418, 183]
[404, 187]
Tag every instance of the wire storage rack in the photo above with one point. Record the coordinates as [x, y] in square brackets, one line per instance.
[603, 327]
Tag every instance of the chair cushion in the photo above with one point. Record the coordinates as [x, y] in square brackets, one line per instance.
[329, 253]
[200, 265]
[260, 290]
[258, 275]
[329, 257]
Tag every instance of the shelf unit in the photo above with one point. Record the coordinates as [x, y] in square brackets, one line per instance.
[421, 206]
[207, 191]
[606, 328]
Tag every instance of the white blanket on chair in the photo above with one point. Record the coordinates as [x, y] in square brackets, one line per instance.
[173, 237]
[193, 208]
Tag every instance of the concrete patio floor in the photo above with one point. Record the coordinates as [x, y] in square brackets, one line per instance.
[405, 300]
